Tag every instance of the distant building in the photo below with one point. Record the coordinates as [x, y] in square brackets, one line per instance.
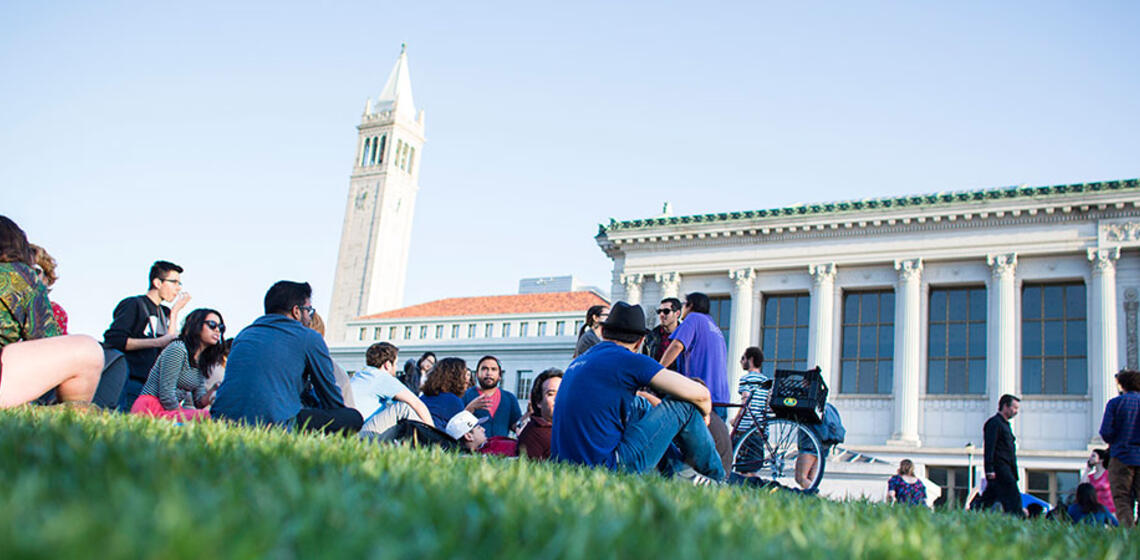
[528, 332]
[923, 310]
[372, 263]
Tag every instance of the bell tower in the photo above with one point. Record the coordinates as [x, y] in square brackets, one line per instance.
[373, 259]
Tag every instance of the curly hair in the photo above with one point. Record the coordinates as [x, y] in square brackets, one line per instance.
[13, 243]
[46, 264]
[448, 376]
[379, 353]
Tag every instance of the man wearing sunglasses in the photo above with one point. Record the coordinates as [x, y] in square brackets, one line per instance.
[280, 373]
[668, 316]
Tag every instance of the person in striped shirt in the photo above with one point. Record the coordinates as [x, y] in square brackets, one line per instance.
[753, 387]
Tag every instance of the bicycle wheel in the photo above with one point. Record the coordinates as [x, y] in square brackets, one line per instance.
[771, 453]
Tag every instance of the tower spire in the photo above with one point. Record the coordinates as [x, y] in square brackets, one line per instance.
[397, 93]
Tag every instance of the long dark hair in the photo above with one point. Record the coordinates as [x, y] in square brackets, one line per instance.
[591, 317]
[1086, 498]
[191, 336]
[14, 243]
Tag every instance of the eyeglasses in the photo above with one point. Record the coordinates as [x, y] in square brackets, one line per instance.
[665, 311]
[179, 282]
[214, 325]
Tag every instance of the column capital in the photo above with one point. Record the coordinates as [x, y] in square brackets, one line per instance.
[1003, 264]
[743, 277]
[910, 270]
[1103, 260]
[628, 280]
[668, 279]
[821, 273]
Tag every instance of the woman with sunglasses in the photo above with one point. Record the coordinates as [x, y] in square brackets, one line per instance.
[176, 386]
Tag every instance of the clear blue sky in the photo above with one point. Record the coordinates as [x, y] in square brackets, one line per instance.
[221, 135]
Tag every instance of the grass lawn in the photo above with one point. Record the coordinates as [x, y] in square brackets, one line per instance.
[93, 485]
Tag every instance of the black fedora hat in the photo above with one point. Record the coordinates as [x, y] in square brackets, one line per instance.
[626, 318]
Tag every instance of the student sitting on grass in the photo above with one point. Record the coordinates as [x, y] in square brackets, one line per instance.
[34, 357]
[177, 378]
[274, 360]
[534, 439]
[1088, 510]
[380, 398]
[599, 419]
[468, 431]
[443, 389]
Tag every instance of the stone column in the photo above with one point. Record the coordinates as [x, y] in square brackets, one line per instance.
[741, 323]
[908, 298]
[821, 329]
[1001, 328]
[632, 285]
[670, 284]
[1102, 331]
[1131, 307]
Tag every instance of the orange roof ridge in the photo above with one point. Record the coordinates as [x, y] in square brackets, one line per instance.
[496, 305]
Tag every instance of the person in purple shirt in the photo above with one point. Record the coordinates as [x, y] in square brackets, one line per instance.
[600, 419]
[276, 361]
[700, 346]
[1120, 429]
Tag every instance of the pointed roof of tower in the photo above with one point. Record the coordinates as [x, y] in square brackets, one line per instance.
[397, 94]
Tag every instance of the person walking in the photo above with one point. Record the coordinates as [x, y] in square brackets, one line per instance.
[1120, 429]
[1001, 458]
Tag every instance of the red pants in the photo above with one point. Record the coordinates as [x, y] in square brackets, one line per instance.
[149, 405]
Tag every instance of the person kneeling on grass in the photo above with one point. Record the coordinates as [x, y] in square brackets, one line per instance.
[34, 357]
[275, 360]
[468, 431]
[600, 420]
[380, 398]
[176, 378]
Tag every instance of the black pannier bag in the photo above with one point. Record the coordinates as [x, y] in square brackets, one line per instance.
[798, 395]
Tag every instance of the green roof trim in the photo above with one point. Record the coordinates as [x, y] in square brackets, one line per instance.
[910, 201]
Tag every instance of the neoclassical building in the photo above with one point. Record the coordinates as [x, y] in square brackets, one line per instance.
[923, 310]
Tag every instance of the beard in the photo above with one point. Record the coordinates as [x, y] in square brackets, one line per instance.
[485, 386]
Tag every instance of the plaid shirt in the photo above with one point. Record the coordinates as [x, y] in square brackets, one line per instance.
[1121, 428]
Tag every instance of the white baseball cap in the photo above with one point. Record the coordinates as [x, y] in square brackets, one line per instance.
[462, 423]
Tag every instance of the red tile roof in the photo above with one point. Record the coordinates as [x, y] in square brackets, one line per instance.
[497, 305]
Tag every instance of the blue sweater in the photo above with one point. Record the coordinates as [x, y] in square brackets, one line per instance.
[506, 416]
[271, 361]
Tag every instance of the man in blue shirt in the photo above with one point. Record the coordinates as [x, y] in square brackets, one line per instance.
[600, 420]
[380, 397]
[275, 360]
[700, 345]
[1120, 429]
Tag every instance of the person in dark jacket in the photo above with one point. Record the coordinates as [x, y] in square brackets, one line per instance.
[1120, 429]
[1001, 458]
[491, 400]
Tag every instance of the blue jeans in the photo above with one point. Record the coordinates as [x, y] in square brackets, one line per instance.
[650, 431]
[131, 390]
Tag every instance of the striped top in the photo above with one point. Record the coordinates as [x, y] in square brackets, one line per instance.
[758, 406]
[173, 380]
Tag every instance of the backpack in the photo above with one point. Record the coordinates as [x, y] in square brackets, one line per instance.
[833, 431]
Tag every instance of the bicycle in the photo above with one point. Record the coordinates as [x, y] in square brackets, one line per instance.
[773, 446]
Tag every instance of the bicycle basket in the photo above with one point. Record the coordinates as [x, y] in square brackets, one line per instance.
[798, 395]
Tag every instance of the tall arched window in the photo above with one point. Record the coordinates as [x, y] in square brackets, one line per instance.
[411, 159]
[380, 150]
[374, 151]
[399, 150]
[367, 147]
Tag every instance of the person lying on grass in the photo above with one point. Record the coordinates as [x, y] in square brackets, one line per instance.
[177, 377]
[468, 431]
[600, 420]
[275, 360]
[34, 357]
[380, 398]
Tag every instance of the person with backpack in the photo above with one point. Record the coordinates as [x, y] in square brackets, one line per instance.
[829, 431]
[142, 327]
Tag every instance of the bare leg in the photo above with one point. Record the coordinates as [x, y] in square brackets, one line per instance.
[805, 469]
[72, 363]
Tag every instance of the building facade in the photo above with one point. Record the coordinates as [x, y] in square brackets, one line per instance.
[528, 332]
[922, 311]
[372, 263]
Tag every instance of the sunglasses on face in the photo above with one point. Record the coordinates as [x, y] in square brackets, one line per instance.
[307, 309]
[664, 311]
[214, 325]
